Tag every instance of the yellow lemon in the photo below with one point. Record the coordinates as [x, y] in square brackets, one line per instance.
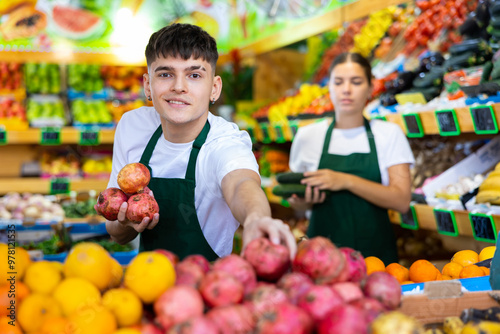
[116, 273]
[42, 277]
[487, 253]
[93, 320]
[34, 309]
[75, 293]
[125, 305]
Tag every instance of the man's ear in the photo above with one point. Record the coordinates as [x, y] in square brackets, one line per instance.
[217, 87]
[145, 84]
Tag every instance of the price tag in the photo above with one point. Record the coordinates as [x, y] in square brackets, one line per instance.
[266, 137]
[280, 136]
[294, 127]
[413, 125]
[90, 137]
[445, 222]
[3, 136]
[50, 136]
[484, 120]
[447, 122]
[483, 227]
[382, 118]
[409, 219]
[59, 186]
[416, 98]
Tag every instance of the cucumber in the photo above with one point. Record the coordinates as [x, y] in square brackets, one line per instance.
[461, 61]
[287, 178]
[495, 23]
[470, 45]
[433, 78]
[287, 190]
[487, 69]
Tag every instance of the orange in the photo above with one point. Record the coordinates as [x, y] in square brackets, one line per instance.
[128, 331]
[452, 269]
[13, 259]
[439, 276]
[423, 271]
[8, 293]
[485, 270]
[407, 282]
[125, 306]
[398, 271]
[471, 271]
[465, 257]
[93, 320]
[56, 325]
[487, 253]
[446, 277]
[116, 273]
[373, 264]
[6, 328]
[149, 274]
[34, 309]
[42, 277]
[90, 261]
[75, 293]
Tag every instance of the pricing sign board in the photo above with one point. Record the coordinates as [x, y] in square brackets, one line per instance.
[3, 136]
[280, 134]
[484, 120]
[50, 136]
[59, 186]
[251, 133]
[90, 137]
[266, 136]
[447, 122]
[483, 227]
[294, 127]
[409, 219]
[413, 125]
[445, 222]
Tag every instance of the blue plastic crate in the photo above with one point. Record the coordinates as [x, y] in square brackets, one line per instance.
[471, 284]
[123, 258]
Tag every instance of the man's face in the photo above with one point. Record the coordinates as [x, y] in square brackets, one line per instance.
[181, 90]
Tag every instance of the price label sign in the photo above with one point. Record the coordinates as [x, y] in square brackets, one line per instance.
[447, 122]
[280, 136]
[382, 118]
[3, 136]
[413, 125]
[59, 186]
[251, 133]
[445, 222]
[484, 120]
[266, 137]
[50, 136]
[409, 219]
[294, 127]
[90, 137]
[483, 227]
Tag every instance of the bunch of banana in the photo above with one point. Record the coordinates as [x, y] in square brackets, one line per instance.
[481, 327]
[489, 190]
[453, 325]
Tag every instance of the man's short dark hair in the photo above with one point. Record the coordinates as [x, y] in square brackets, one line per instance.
[184, 41]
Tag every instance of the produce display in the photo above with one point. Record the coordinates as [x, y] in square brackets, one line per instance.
[42, 78]
[85, 78]
[59, 164]
[29, 206]
[489, 190]
[11, 76]
[93, 112]
[124, 78]
[46, 111]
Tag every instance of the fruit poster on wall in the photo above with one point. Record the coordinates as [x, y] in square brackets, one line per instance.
[108, 26]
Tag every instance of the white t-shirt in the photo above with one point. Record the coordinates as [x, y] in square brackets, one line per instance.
[391, 143]
[226, 149]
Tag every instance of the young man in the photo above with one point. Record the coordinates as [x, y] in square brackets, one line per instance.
[204, 175]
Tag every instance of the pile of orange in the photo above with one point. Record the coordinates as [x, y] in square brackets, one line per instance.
[89, 294]
[461, 265]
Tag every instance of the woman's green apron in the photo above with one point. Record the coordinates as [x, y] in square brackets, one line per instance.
[347, 219]
[178, 230]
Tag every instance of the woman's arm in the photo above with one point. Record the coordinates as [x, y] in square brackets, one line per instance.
[395, 196]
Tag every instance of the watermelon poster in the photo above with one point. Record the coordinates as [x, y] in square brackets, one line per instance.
[124, 26]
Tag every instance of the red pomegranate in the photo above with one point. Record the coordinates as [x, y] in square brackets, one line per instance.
[269, 260]
[349, 291]
[177, 304]
[320, 259]
[264, 298]
[109, 202]
[384, 287]
[355, 264]
[196, 325]
[232, 319]
[345, 319]
[284, 318]
[141, 206]
[239, 268]
[171, 255]
[319, 300]
[199, 260]
[219, 288]
[133, 177]
[371, 306]
[188, 273]
[295, 284]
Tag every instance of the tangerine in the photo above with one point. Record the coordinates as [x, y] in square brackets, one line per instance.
[373, 264]
[446, 277]
[485, 270]
[116, 273]
[471, 271]
[452, 269]
[34, 309]
[8, 293]
[56, 325]
[407, 282]
[487, 253]
[13, 259]
[6, 326]
[74, 293]
[149, 274]
[423, 271]
[125, 306]
[42, 277]
[400, 272]
[93, 319]
[465, 257]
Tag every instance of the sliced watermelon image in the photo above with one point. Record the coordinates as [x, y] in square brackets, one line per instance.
[76, 23]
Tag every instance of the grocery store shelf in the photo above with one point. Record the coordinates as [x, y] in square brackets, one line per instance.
[69, 135]
[42, 186]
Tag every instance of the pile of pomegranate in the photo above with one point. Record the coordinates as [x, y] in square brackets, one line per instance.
[133, 180]
[325, 289]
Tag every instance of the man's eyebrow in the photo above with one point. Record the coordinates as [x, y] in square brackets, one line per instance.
[187, 69]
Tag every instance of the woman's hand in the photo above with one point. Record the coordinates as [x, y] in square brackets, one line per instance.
[326, 179]
[313, 195]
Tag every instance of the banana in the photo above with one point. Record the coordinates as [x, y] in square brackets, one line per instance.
[491, 183]
[473, 314]
[488, 196]
[481, 327]
[452, 325]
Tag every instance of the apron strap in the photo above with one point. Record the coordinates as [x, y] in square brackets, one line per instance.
[198, 143]
[148, 151]
[328, 136]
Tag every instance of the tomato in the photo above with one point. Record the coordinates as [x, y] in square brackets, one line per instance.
[423, 4]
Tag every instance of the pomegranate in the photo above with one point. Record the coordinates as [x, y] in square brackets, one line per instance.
[219, 288]
[284, 318]
[196, 325]
[269, 260]
[199, 260]
[133, 177]
[141, 206]
[109, 202]
[320, 259]
[150, 328]
[171, 256]
[384, 287]
[295, 284]
[349, 291]
[355, 264]
[232, 319]
[264, 298]
[177, 304]
[319, 300]
[239, 268]
[145, 190]
[345, 319]
[371, 306]
[188, 273]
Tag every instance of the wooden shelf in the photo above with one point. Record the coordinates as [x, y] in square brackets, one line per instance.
[42, 186]
[69, 135]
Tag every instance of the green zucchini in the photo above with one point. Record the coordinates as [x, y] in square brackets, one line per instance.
[287, 178]
[287, 190]
[495, 73]
[487, 69]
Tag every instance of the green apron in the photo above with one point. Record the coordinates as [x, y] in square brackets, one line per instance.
[178, 230]
[347, 219]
